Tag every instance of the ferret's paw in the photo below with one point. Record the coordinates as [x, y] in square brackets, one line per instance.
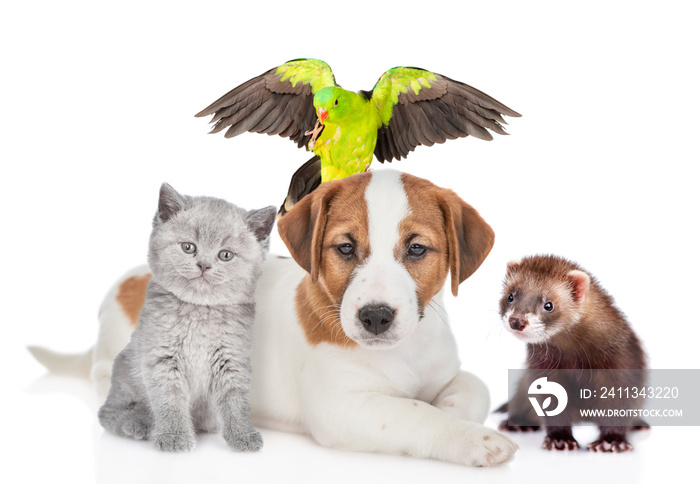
[491, 447]
[175, 442]
[504, 427]
[560, 443]
[249, 441]
[610, 445]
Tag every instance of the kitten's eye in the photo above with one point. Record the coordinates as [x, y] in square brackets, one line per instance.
[346, 250]
[226, 255]
[549, 307]
[336, 103]
[510, 297]
[188, 247]
[416, 251]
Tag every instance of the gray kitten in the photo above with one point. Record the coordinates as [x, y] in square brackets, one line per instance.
[187, 367]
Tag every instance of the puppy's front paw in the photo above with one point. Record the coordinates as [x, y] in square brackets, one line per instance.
[175, 441]
[499, 448]
[487, 447]
[248, 440]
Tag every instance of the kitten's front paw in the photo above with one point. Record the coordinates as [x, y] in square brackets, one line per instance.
[136, 428]
[246, 441]
[125, 422]
[175, 442]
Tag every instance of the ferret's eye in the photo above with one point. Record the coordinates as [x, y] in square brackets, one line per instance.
[346, 250]
[549, 306]
[336, 103]
[188, 247]
[510, 297]
[226, 255]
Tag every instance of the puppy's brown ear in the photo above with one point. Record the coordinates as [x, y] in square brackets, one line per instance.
[302, 228]
[469, 237]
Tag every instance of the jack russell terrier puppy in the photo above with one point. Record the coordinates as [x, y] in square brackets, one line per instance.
[347, 348]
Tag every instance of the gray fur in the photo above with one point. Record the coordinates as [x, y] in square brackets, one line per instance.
[187, 367]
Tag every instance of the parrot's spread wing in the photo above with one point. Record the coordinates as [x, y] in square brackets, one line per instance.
[280, 101]
[419, 107]
[304, 181]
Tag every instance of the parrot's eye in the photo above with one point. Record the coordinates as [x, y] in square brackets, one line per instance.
[336, 103]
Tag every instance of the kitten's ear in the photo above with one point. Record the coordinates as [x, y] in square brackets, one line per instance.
[170, 202]
[261, 221]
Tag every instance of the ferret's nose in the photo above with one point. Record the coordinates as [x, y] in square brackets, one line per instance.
[516, 323]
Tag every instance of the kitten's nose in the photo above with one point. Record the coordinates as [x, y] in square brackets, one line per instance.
[203, 267]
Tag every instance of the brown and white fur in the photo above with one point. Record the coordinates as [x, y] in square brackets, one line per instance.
[347, 346]
[568, 321]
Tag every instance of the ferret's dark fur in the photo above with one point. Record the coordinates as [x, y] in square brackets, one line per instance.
[569, 322]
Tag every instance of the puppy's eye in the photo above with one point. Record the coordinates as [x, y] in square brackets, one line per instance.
[346, 250]
[336, 103]
[416, 251]
[510, 297]
[549, 307]
[226, 255]
[188, 247]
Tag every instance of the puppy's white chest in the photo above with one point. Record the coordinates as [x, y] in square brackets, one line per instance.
[417, 368]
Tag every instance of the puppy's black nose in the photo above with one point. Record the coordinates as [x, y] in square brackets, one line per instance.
[376, 318]
[517, 324]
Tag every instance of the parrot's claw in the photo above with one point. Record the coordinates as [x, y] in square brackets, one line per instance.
[315, 133]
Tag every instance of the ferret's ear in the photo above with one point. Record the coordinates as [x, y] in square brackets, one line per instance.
[580, 282]
[512, 265]
[170, 202]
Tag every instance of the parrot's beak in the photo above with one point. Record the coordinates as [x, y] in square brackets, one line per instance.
[322, 114]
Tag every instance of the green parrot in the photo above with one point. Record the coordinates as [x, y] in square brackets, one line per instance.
[407, 107]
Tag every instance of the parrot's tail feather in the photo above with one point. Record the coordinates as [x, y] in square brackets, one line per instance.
[77, 364]
[304, 181]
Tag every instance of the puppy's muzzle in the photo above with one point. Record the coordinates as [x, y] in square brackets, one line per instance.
[376, 318]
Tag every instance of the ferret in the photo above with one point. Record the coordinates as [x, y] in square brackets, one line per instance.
[569, 321]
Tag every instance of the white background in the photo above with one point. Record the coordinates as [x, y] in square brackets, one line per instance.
[97, 103]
